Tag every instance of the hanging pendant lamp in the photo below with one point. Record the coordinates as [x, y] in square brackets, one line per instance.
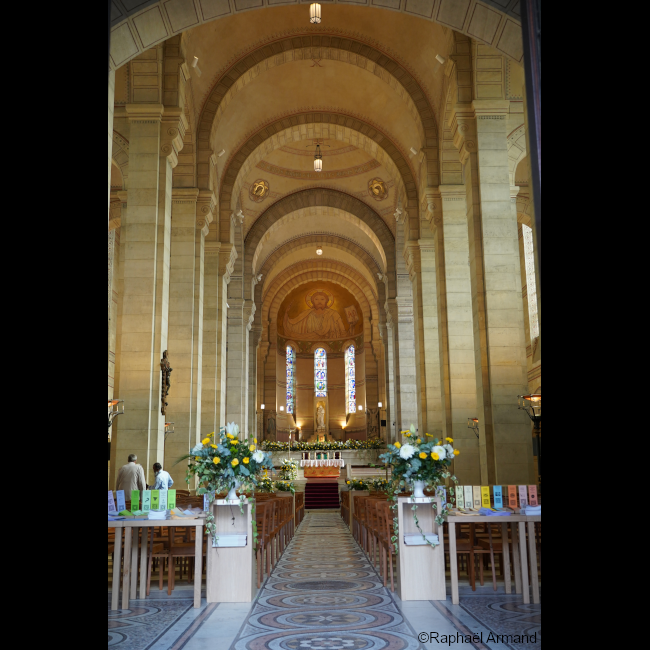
[318, 160]
[316, 14]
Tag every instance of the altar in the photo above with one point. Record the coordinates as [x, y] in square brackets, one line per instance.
[320, 465]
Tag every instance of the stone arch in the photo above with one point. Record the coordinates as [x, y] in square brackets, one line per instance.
[238, 160]
[319, 211]
[325, 131]
[328, 198]
[309, 241]
[517, 150]
[303, 273]
[322, 46]
[138, 26]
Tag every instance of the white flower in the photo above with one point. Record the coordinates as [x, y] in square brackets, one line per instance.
[441, 451]
[407, 452]
[450, 450]
[232, 429]
[259, 456]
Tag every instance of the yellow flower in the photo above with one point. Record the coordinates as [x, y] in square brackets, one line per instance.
[435, 456]
[405, 432]
[349, 483]
[206, 442]
[398, 445]
[213, 446]
[419, 441]
[429, 435]
[252, 448]
[450, 441]
[229, 435]
[217, 461]
[211, 435]
[235, 463]
[247, 461]
[423, 456]
[255, 441]
[198, 459]
[456, 452]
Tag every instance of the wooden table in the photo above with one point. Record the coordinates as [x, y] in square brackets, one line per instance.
[519, 549]
[129, 577]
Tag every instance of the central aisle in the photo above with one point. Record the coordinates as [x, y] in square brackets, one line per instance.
[325, 595]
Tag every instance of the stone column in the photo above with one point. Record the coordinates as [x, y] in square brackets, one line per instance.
[391, 363]
[111, 109]
[500, 349]
[146, 239]
[421, 261]
[185, 336]
[452, 242]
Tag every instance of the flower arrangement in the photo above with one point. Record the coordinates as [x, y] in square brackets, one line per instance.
[359, 484]
[381, 485]
[265, 485]
[350, 445]
[289, 470]
[224, 463]
[426, 461]
[285, 486]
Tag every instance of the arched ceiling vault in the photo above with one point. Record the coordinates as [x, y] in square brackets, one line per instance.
[336, 249]
[321, 198]
[331, 221]
[323, 131]
[319, 47]
[137, 25]
[266, 133]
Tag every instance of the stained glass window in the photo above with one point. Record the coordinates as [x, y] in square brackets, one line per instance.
[531, 281]
[291, 380]
[320, 372]
[351, 380]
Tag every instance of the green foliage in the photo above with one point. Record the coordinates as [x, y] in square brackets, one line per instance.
[350, 445]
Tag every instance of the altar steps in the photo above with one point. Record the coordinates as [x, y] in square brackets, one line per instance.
[322, 495]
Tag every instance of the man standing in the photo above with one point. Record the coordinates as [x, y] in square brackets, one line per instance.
[163, 480]
[131, 477]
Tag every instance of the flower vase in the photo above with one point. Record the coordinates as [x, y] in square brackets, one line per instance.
[418, 489]
[232, 495]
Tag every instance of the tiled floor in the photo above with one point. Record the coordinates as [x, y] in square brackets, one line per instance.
[323, 595]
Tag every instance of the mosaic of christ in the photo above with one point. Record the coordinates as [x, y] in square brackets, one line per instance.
[321, 312]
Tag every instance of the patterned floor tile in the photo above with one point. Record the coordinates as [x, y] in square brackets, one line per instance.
[324, 595]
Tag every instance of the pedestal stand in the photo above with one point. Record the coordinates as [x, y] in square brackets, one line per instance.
[421, 569]
[232, 572]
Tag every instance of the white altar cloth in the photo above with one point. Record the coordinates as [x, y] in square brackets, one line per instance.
[322, 463]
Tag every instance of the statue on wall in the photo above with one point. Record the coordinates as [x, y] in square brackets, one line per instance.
[321, 417]
[319, 322]
[166, 371]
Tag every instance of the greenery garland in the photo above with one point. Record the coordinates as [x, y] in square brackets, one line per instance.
[350, 445]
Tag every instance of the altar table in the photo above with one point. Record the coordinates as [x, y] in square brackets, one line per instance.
[130, 578]
[520, 552]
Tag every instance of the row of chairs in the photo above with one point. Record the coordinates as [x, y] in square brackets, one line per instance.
[174, 548]
[479, 546]
[373, 529]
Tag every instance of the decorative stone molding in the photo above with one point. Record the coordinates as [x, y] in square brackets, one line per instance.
[227, 260]
[212, 248]
[147, 113]
[206, 206]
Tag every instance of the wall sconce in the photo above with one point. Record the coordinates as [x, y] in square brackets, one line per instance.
[282, 409]
[361, 408]
[114, 410]
[380, 405]
[263, 407]
[472, 424]
[169, 429]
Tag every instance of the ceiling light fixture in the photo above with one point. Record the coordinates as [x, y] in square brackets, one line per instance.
[318, 158]
[316, 14]
[441, 59]
[319, 251]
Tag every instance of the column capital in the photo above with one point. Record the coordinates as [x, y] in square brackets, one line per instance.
[172, 133]
[185, 194]
[227, 260]
[491, 107]
[413, 259]
[206, 207]
[212, 248]
[514, 192]
[144, 112]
